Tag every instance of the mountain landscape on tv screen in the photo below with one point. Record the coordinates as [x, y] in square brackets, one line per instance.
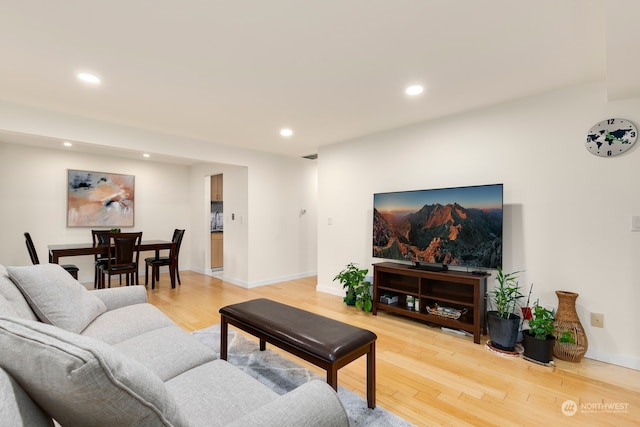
[449, 234]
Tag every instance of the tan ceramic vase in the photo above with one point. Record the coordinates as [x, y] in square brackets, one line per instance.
[571, 340]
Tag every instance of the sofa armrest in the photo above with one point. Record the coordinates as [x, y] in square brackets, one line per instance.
[16, 407]
[121, 297]
[312, 404]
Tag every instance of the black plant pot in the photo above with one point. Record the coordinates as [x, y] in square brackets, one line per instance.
[539, 350]
[349, 299]
[503, 332]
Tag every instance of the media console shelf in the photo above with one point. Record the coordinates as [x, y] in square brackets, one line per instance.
[457, 290]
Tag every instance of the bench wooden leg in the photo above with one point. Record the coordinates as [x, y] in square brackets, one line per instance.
[371, 376]
[332, 377]
[223, 337]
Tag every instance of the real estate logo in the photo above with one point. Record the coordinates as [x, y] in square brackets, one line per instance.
[569, 408]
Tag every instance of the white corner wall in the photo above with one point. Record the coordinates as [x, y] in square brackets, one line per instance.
[271, 236]
[280, 234]
[567, 212]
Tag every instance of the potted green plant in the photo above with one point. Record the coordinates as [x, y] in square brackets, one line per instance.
[358, 290]
[539, 339]
[503, 321]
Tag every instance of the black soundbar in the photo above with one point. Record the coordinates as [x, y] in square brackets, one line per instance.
[429, 267]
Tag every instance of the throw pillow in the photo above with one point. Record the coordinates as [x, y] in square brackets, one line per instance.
[80, 381]
[56, 297]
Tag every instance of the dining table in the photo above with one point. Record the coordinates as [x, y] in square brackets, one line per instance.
[58, 251]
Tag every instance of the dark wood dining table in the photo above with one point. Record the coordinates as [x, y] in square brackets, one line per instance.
[76, 249]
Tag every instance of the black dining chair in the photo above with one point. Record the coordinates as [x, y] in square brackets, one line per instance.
[156, 262]
[71, 269]
[124, 258]
[100, 239]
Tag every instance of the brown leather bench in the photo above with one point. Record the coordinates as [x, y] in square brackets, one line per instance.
[325, 342]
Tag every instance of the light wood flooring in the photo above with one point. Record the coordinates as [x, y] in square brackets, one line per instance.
[427, 376]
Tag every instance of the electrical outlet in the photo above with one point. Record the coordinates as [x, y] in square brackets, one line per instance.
[597, 320]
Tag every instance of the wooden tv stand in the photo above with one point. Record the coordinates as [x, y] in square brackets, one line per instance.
[451, 289]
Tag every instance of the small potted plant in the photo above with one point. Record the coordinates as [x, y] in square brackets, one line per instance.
[503, 321]
[358, 291]
[539, 339]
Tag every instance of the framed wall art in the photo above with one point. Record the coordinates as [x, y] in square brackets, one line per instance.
[99, 199]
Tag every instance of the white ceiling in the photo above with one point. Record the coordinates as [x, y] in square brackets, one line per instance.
[236, 71]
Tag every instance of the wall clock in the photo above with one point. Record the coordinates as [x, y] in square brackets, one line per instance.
[611, 137]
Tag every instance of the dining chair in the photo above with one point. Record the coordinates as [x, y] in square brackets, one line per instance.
[124, 258]
[71, 269]
[158, 261]
[100, 239]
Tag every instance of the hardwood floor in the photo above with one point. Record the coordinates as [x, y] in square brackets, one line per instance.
[427, 376]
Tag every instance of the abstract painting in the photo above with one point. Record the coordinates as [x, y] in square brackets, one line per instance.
[98, 199]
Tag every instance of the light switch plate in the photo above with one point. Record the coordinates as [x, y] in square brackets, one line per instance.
[597, 320]
[635, 223]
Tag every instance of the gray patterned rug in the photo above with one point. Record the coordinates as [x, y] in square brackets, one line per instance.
[282, 375]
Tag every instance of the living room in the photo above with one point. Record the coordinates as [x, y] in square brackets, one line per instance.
[567, 212]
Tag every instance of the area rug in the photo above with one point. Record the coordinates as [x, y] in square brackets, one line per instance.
[283, 375]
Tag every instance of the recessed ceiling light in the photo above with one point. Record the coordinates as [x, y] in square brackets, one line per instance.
[414, 90]
[89, 78]
[146, 155]
[286, 132]
[67, 144]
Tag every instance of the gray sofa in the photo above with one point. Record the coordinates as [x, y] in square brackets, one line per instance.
[107, 358]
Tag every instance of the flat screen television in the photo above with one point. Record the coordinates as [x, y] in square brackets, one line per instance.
[459, 226]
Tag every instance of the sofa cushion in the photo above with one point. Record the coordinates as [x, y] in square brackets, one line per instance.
[124, 323]
[56, 297]
[13, 297]
[82, 381]
[219, 382]
[167, 351]
[322, 408]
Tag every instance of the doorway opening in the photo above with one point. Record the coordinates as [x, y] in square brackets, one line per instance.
[217, 225]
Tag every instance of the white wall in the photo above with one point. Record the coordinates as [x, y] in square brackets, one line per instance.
[279, 235]
[269, 240]
[567, 212]
[33, 194]
[274, 243]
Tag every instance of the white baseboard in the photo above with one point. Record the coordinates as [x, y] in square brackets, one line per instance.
[276, 280]
[249, 285]
[614, 359]
[330, 290]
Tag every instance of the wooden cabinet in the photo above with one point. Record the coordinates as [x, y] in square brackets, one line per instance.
[216, 188]
[451, 289]
[216, 249]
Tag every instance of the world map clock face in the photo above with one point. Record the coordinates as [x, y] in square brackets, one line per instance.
[611, 137]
